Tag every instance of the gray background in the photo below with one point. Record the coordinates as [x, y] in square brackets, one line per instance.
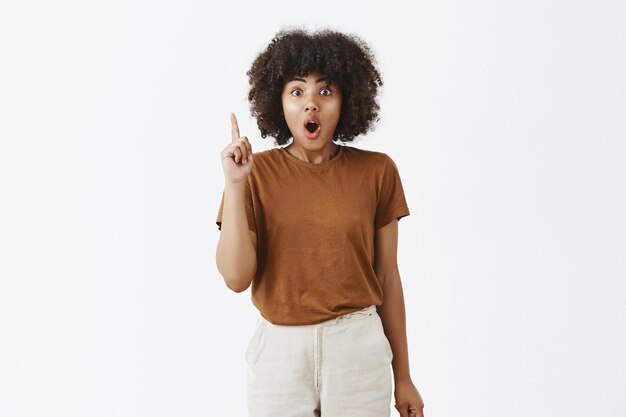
[505, 119]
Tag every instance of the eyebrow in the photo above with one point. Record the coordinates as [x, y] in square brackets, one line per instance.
[301, 79]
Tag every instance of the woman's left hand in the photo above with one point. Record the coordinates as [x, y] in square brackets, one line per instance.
[409, 403]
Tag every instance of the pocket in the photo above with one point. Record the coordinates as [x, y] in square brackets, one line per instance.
[255, 337]
[383, 336]
[389, 351]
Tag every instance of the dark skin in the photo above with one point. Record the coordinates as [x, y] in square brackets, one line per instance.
[305, 97]
[409, 402]
[313, 98]
[343, 58]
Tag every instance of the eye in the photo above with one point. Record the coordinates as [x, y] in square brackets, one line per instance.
[293, 91]
[329, 92]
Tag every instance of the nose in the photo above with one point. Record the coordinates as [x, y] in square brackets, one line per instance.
[311, 104]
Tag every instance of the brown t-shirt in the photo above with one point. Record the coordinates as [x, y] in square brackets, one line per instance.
[315, 226]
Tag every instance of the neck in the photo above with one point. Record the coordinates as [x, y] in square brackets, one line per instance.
[312, 157]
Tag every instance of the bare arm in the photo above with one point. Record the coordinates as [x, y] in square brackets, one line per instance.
[236, 249]
[392, 310]
[392, 313]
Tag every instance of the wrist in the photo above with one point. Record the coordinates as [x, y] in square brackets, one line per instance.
[235, 184]
[402, 378]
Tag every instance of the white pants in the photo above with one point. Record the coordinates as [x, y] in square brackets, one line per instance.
[338, 368]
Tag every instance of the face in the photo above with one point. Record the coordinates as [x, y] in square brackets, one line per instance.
[309, 98]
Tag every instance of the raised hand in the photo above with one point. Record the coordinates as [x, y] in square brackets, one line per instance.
[237, 156]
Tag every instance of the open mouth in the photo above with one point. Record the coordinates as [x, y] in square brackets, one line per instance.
[312, 126]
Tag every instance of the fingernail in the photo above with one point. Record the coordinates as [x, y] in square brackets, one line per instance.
[245, 160]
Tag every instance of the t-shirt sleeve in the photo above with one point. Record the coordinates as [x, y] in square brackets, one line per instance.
[391, 201]
[249, 206]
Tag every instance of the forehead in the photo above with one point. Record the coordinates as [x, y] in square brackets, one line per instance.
[314, 78]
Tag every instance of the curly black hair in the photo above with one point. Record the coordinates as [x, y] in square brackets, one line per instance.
[345, 60]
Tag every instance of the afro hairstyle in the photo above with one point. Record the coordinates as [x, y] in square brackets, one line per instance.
[344, 59]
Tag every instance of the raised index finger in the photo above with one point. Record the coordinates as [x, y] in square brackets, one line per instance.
[234, 127]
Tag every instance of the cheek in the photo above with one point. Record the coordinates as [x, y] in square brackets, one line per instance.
[338, 104]
[288, 105]
[338, 111]
[288, 114]
[285, 108]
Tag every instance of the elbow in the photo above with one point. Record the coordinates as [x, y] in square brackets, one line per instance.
[238, 286]
[238, 280]
[237, 277]
[238, 274]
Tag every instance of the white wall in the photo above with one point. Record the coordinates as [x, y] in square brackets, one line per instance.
[506, 120]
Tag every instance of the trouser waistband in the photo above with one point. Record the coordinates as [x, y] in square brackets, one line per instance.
[343, 319]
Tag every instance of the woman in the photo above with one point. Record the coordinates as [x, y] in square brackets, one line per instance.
[313, 226]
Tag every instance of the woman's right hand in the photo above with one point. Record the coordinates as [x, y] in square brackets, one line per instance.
[237, 156]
